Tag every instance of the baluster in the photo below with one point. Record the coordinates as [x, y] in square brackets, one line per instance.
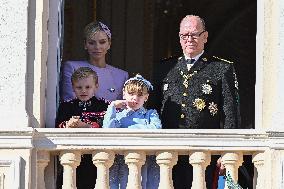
[103, 161]
[199, 162]
[43, 159]
[232, 161]
[259, 177]
[69, 161]
[166, 161]
[134, 160]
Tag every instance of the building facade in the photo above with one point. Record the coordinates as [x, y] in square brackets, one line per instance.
[30, 55]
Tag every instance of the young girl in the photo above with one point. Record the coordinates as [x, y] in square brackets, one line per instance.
[130, 113]
[85, 111]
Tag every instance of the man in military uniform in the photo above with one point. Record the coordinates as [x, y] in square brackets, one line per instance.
[198, 92]
[195, 91]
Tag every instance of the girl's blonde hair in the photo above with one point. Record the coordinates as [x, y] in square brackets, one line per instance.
[136, 87]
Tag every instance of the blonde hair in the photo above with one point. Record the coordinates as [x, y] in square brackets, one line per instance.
[92, 28]
[136, 87]
[82, 73]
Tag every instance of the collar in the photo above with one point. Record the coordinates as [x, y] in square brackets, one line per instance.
[141, 110]
[195, 58]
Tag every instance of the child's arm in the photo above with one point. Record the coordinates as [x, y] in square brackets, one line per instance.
[110, 120]
[153, 121]
[63, 116]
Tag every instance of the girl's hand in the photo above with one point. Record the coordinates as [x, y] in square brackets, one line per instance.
[120, 104]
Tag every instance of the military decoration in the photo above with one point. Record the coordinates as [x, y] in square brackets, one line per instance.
[236, 81]
[166, 87]
[186, 78]
[185, 83]
[206, 89]
[199, 104]
[213, 108]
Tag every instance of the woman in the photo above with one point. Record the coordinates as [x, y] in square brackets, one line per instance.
[97, 40]
[97, 43]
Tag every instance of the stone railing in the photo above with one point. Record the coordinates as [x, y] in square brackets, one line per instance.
[103, 144]
[30, 154]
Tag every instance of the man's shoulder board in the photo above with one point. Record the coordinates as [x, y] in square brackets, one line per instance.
[170, 58]
[223, 60]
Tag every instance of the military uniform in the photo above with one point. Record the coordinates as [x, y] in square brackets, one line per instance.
[205, 97]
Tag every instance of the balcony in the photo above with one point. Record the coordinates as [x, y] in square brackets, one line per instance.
[33, 150]
[70, 144]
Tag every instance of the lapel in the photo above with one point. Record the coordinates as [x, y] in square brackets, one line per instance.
[181, 66]
[199, 64]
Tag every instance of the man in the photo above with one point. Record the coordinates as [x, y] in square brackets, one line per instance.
[195, 91]
[198, 91]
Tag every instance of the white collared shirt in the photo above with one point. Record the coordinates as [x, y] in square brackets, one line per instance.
[195, 58]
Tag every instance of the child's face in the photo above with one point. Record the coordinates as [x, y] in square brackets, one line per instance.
[135, 101]
[85, 88]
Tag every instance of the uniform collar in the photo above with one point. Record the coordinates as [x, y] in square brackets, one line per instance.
[197, 66]
[139, 111]
[195, 58]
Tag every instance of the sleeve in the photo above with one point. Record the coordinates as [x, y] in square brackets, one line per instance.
[125, 77]
[62, 116]
[66, 85]
[155, 97]
[231, 100]
[153, 121]
[110, 119]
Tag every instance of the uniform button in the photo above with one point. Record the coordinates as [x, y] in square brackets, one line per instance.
[182, 116]
[184, 94]
[183, 105]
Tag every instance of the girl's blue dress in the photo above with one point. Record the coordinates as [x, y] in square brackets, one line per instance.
[139, 119]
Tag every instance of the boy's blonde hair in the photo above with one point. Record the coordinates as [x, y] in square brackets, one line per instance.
[82, 73]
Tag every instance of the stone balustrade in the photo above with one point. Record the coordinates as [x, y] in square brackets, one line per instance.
[265, 148]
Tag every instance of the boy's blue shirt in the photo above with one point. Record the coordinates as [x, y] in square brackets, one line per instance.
[126, 118]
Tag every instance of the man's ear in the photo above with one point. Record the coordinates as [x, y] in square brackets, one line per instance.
[205, 36]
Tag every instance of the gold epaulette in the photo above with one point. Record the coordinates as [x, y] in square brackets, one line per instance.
[224, 60]
[169, 58]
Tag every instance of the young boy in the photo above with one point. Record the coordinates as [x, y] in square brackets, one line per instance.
[130, 113]
[85, 111]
